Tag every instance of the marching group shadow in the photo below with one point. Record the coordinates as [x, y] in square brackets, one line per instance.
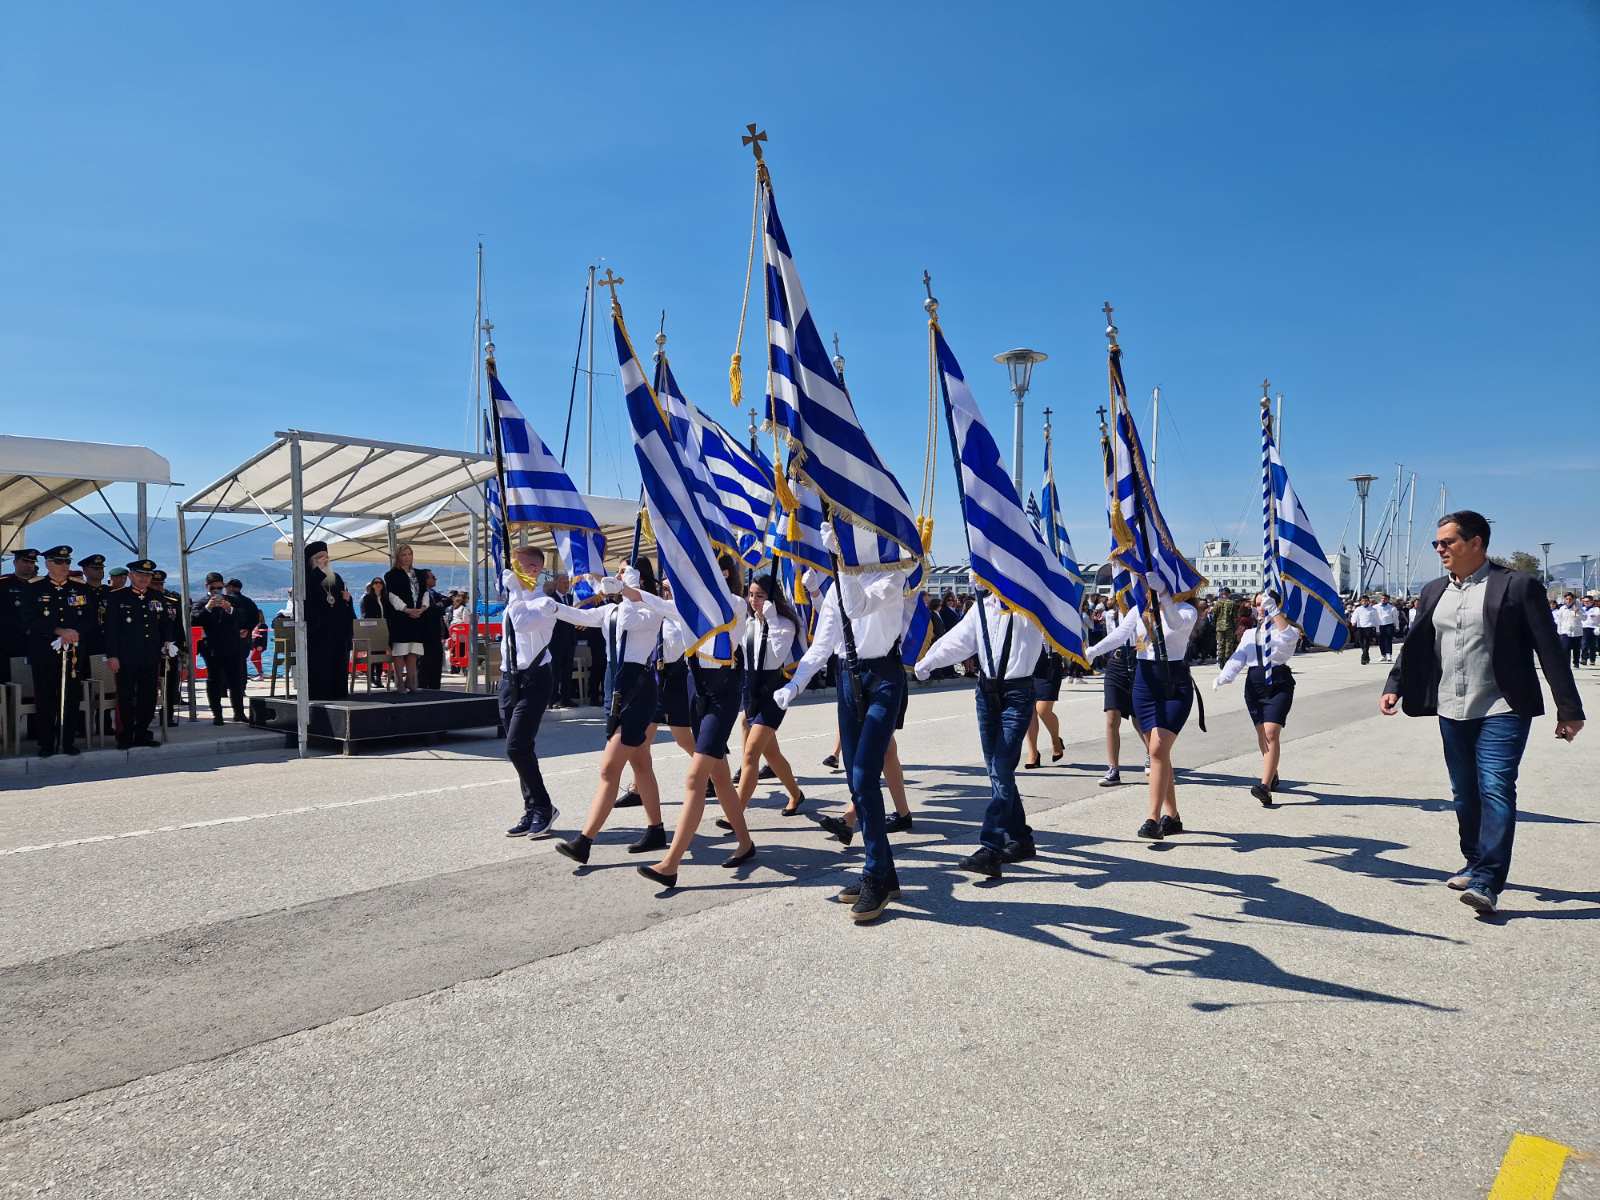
[947, 820]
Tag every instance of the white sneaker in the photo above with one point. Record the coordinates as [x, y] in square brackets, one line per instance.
[1480, 898]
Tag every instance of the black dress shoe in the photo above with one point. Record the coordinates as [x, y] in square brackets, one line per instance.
[1273, 786]
[766, 772]
[1032, 766]
[838, 827]
[873, 898]
[47, 751]
[1261, 793]
[1016, 852]
[629, 799]
[831, 762]
[1150, 830]
[577, 849]
[654, 838]
[724, 823]
[792, 808]
[1058, 752]
[898, 823]
[738, 860]
[71, 751]
[217, 720]
[661, 877]
[982, 861]
[1171, 825]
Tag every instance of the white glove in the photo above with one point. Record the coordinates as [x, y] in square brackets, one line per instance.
[170, 649]
[784, 696]
[1216, 684]
[1268, 609]
[630, 577]
[830, 539]
[921, 672]
[812, 580]
[610, 586]
[56, 645]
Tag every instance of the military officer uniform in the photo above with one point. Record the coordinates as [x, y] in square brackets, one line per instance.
[59, 612]
[138, 631]
[14, 595]
[93, 640]
[180, 635]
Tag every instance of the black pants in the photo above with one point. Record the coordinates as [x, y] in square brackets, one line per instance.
[136, 701]
[430, 665]
[523, 698]
[562, 643]
[225, 677]
[1386, 640]
[174, 688]
[47, 699]
[1364, 638]
[1572, 645]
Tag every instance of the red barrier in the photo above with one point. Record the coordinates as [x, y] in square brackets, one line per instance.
[457, 645]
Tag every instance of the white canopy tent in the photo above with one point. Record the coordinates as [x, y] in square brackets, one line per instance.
[322, 477]
[440, 532]
[39, 476]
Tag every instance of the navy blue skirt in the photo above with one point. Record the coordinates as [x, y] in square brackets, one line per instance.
[1118, 684]
[1269, 705]
[759, 707]
[1047, 676]
[674, 695]
[633, 704]
[1156, 707]
[716, 709]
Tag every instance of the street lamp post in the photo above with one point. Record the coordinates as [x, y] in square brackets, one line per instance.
[1363, 486]
[1545, 546]
[1583, 572]
[1019, 363]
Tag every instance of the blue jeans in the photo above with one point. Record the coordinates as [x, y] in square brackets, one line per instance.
[1003, 721]
[1483, 756]
[864, 741]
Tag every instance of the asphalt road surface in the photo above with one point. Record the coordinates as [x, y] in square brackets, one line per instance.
[267, 977]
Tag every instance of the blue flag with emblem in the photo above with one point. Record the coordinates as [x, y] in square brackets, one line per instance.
[809, 407]
[1008, 555]
[539, 493]
[1294, 565]
[683, 544]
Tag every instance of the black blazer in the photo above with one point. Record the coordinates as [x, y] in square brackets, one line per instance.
[1517, 625]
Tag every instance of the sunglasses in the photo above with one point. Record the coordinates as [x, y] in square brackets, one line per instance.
[1445, 543]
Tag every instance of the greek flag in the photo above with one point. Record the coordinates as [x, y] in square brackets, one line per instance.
[491, 510]
[743, 480]
[1295, 566]
[539, 492]
[680, 416]
[1055, 525]
[683, 547]
[1007, 555]
[797, 534]
[1140, 539]
[807, 402]
[918, 634]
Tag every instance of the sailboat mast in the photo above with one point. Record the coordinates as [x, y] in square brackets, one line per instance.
[1155, 432]
[588, 434]
[477, 360]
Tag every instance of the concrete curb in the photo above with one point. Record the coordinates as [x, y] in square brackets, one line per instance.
[95, 761]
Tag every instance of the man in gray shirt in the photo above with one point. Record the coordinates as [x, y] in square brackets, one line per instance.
[1468, 660]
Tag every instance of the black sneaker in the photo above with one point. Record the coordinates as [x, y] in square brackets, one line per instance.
[1112, 778]
[982, 861]
[831, 762]
[539, 824]
[1150, 830]
[630, 799]
[899, 823]
[1261, 793]
[838, 827]
[1171, 825]
[520, 829]
[873, 898]
[1016, 852]
[577, 849]
[654, 838]
[851, 892]
[766, 772]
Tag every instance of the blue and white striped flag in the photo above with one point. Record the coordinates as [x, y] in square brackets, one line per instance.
[797, 534]
[683, 546]
[743, 480]
[1141, 541]
[918, 634]
[1007, 554]
[681, 421]
[1055, 525]
[539, 492]
[806, 401]
[1295, 566]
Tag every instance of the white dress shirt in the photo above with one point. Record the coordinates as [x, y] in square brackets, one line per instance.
[780, 638]
[1366, 616]
[1266, 644]
[630, 627]
[1591, 617]
[1177, 622]
[531, 616]
[1386, 614]
[1569, 621]
[965, 641]
[875, 603]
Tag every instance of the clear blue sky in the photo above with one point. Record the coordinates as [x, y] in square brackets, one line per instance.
[219, 225]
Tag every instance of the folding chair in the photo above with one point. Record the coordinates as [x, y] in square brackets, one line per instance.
[370, 649]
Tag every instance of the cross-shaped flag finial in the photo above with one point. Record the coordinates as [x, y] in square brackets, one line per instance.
[613, 282]
[754, 139]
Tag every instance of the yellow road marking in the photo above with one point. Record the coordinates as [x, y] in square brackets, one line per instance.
[1531, 1169]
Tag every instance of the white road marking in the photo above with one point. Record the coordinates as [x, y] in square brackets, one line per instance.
[668, 750]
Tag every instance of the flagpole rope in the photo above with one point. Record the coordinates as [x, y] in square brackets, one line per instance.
[735, 364]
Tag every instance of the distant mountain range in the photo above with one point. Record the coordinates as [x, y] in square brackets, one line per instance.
[246, 555]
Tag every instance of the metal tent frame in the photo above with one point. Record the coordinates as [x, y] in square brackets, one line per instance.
[328, 477]
[40, 476]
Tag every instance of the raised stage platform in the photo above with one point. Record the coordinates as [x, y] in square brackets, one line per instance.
[378, 716]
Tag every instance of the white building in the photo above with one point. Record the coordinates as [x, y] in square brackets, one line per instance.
[1224, 568]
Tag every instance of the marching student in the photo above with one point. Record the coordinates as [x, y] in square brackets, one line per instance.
[1007, 646]
[1271, 643]
[717, 692]
[631, 626]
[769, 633]
[525, 689]
[869, 606]
[1047, 673]
[1388, 618]
[1163, 694]
[1117, 688]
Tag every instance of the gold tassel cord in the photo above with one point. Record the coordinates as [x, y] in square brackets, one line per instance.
[736, 363]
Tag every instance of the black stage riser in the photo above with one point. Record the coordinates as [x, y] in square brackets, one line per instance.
[383, 715]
